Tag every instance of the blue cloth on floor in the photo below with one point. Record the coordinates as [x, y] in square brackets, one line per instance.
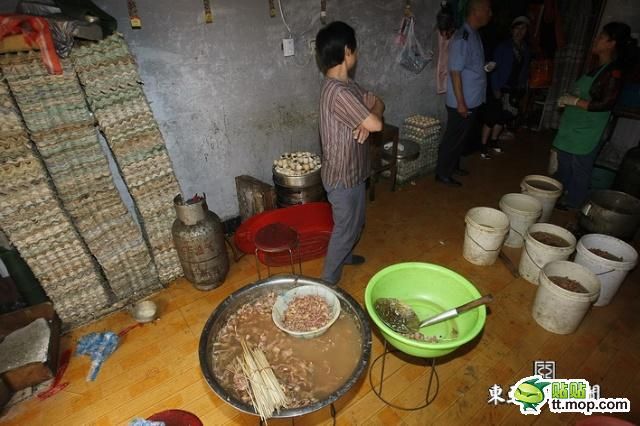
[98, 346]
[143, 422]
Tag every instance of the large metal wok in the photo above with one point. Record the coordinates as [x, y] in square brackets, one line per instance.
[251, 292]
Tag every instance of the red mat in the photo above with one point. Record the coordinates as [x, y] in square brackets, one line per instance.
[312, 221]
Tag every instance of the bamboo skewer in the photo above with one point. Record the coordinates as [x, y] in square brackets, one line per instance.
[265, 391]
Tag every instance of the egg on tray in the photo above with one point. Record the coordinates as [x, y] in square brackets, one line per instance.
[297, 163]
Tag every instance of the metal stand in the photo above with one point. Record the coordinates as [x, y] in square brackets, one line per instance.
[428, 398]
[333, 416]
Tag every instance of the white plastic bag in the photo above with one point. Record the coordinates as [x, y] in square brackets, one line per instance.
[412, 56]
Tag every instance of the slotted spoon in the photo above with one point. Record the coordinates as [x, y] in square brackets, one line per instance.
[401, 318]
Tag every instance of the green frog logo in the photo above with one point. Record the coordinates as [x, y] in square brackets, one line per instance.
[529, 394]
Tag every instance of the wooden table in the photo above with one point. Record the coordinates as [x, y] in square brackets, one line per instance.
[377, 141]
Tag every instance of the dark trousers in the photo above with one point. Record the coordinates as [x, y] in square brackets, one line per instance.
[454, 140]
[348, 209]
[574, 172]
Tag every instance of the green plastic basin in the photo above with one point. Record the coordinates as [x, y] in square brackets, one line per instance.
[429, 289]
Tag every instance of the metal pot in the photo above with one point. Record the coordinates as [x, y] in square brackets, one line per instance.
[304, 181]
[280, 283]
[612, 213]
[293, 190]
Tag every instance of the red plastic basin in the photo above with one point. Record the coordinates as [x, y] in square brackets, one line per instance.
[312, 221]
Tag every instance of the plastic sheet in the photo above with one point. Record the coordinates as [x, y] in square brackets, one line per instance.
[97, 346]
[412, 56]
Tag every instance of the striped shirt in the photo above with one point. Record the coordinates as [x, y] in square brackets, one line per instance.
[345, 162]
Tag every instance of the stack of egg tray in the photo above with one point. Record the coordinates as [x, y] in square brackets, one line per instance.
[61, 126]
[112, 85]
[425, 131]
[36, 224]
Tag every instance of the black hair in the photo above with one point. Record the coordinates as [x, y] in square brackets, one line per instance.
[626, 46]
[445, 19]
[474, 4]
[330, 43]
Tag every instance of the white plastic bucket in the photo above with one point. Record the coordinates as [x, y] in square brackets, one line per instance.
[545, 189]
[484, 234]
[536, 254]
[559, 310]
[610, 272]
[523, 211]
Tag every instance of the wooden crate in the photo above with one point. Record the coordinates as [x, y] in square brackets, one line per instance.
[254, 196]
[37, 372]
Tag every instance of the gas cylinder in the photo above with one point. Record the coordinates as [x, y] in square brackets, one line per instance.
[199, 240]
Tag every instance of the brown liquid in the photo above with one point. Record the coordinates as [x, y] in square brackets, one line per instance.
[330, 359]
[550, 239]
[569, 284]
[540, 184]
[605, 254]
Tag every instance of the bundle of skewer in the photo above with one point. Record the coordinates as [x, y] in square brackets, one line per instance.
[265, 391]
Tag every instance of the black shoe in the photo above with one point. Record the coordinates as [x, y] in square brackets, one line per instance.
[495, 146]
[461, 172]
[448, 181]
[355, 260]
[484, 153]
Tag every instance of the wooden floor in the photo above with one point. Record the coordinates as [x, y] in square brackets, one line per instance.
[156, 367]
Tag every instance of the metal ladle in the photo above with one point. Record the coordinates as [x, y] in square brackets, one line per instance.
[401, 318]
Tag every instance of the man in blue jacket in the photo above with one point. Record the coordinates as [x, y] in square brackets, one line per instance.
[466, 89]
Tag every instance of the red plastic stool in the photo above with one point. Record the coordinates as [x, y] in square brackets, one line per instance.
[275, 238]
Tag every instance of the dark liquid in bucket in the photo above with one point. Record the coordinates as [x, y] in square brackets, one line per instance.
[550, 239]
[568, 284]
[605, 254]
[540, 184]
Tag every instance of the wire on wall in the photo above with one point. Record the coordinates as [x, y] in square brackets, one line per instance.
[284, 21]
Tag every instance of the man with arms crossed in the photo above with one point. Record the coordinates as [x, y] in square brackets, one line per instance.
[348, 114]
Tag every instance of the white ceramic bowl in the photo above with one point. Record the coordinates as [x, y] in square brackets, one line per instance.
[282, 302]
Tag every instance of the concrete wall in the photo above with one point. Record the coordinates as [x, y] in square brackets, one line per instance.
[627, 11]
[228, 101]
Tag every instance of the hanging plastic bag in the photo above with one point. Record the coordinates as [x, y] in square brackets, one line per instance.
[412, 56]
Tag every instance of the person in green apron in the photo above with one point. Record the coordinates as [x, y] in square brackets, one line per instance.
[587, 113]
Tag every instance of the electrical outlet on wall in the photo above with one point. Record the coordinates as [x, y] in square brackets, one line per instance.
[312, 45]
[287, 47]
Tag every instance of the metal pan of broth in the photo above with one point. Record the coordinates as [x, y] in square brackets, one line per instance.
[279, 284]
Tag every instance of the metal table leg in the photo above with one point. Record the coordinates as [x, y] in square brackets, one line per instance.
[428, 397]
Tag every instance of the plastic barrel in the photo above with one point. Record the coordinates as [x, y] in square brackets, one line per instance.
[523, 211]
[536, 254]
[485, 232]
[545, 189]
[559, 310]
[610, 272]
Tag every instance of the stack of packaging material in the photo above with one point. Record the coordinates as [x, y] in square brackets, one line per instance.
[112, 85]
[425, 131]
[61, 126]
[32, 217]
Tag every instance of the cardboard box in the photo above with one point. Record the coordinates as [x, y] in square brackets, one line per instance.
[15, 43]
[36, 372]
